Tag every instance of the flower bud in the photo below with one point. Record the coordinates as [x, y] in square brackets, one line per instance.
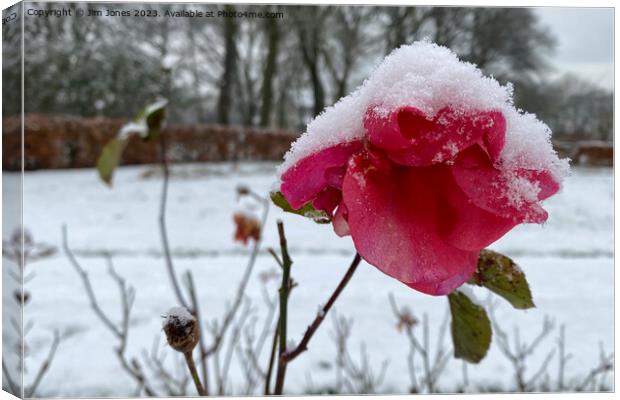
[182, 330]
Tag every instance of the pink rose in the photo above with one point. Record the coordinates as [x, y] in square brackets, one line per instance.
[424, 174]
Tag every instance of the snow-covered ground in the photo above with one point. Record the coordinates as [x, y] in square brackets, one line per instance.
[568, 262]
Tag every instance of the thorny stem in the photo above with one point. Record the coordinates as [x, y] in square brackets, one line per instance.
[284, 291]
[303, 345]
[194, 373]
[287, 356]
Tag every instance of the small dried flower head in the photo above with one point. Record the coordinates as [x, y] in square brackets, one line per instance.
[248, 227]
[243, 190]
[406, 320]
[182, 330]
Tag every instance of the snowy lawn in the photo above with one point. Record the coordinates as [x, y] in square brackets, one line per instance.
[568, 262]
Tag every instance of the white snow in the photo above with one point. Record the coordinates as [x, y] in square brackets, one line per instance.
[568, 263]
[178, 315]
[430, 77]
[132, 128]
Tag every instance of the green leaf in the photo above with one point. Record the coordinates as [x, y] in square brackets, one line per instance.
[109, 159]
[502, 276]
[307, 210]
[155, 115]
[147, 123]
[471, 328]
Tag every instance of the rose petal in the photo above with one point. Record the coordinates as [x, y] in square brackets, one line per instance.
[339, 222]
[327, 200]
[463, 224]
[491, 190]
[411, 138]
[304, 180]
[548, 186]
[394, 218]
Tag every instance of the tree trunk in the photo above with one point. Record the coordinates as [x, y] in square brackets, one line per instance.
[271, 66]
[230, 61]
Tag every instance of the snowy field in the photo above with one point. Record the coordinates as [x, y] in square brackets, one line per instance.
[568, 262]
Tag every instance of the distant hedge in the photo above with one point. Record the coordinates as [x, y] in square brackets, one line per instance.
[68, 142]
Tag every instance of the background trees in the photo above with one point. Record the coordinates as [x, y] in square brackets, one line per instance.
[282, 71]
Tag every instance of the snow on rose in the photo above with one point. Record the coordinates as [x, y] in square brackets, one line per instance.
[424, 165]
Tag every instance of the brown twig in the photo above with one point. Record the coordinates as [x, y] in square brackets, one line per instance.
[284, 295]
[303, 345]
[285, 355]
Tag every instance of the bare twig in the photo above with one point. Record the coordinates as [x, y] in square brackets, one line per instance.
[89, 289]
[272, 357]
[562, 358]
[231, 345]
[163, 231]
[519, 355]
[606, 364]
[9, 381]
[127, 297]
[229, 316]
[44, 366]
[432, 368]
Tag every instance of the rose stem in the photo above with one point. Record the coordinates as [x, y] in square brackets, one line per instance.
[192, 370]
[284, 289]
[287, 356]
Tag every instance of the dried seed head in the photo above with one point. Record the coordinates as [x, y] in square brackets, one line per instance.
[182, 330]
[243, 190]
[406, 320]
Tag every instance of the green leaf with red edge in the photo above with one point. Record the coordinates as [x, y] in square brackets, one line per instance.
[502, 276]
[307, 210]
[470, 327]
[109, 159]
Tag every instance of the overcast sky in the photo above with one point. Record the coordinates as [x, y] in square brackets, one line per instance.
[585, 41]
